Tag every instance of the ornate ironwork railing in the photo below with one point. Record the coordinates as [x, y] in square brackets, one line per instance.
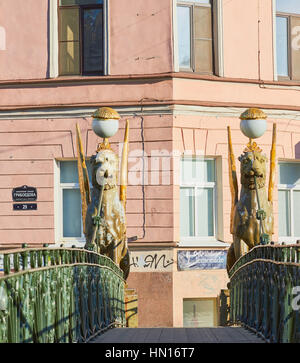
[264, 285]
[59, 295]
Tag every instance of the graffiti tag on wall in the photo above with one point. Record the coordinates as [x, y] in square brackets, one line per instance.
[151, 261]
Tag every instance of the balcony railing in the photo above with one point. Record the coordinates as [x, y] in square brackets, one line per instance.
[58, 295]
[265, 292]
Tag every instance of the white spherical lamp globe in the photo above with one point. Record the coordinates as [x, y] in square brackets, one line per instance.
[106, 122]
[253, 123]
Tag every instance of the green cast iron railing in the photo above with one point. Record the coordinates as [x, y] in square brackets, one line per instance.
[56, 295]
[264, 285]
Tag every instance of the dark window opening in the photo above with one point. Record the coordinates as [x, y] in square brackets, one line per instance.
[81, 41]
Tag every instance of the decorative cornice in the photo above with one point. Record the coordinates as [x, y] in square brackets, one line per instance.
[134, 109]
[140, 77]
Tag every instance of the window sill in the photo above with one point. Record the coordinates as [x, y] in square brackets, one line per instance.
[191, 71]
[183, 73]
[203, 242]
[167, 75]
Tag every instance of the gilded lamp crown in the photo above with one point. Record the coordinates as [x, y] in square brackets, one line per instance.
[106, 113]
[253, 114]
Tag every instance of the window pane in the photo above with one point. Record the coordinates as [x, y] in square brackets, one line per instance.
[196, 1]
[184, 36]
[198, 313]
[296, 211]
[203, 39]
[289, 173]
[69, 24]
[203, 56]
[288, 6]
[202, 22]
[282, 46]
[69, 171]
[205, 214]
[69, 58]
[79, 2]
[187, 214]
[197, 170]
[71, 213]
[295, 47]
[93, 40]
[284, 213]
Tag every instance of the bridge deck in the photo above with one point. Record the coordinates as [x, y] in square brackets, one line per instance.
[178, 335]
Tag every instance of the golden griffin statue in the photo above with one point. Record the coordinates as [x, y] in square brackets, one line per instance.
[252, 220]
[103, 209]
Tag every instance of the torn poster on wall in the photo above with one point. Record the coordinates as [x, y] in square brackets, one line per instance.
[201, 260]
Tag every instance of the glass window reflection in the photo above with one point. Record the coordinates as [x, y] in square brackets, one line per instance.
[184, 36]
[288, 6]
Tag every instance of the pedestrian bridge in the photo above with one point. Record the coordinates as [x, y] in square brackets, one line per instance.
[178, 335]
[61, 295]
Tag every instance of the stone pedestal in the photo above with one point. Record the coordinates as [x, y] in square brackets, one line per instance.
[131, 308]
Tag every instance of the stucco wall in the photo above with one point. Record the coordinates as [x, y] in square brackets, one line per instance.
[29, 148]
[140, 36]
[155, 305]
[26, 28]
[248, 39]
[194, 285]
[208, 135]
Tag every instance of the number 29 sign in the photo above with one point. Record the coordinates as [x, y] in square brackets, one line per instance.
[24, 194]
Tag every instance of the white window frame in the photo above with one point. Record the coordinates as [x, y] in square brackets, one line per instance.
[53, 39]
[291, 188]
[287, 15]
[274, 8]
[217, 9]
[59, 187]
[206, 240]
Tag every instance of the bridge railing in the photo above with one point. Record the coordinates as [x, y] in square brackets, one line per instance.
[264, 285]
[59, 295]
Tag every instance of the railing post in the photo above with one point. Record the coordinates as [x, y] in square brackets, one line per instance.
[6, 264]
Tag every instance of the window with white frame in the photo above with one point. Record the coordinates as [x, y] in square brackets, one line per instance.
[289, 201]
[288, 39]
[197, 199]
[195, 35]
[69, 202]
[81, 37]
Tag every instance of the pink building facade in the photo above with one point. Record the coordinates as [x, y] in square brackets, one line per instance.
[181, 72]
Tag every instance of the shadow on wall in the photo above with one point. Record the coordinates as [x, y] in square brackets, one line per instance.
[297, 150]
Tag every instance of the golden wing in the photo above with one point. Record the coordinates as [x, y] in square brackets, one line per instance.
[83, 177]
[124, 166]
[272, 165]
[232, 178]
